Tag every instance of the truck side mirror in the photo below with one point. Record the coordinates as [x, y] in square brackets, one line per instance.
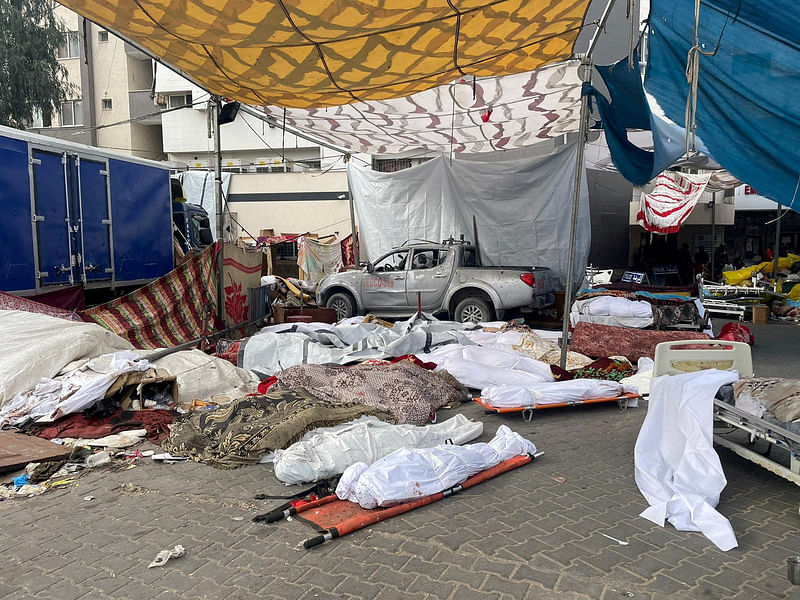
[370, 267]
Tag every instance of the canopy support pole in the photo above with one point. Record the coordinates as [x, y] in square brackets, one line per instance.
[586, 64]
[777, 248]
[215, 105]
[714, 236]
[356, 252]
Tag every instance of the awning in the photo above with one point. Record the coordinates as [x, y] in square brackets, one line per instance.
[315, 53]
[496, 113]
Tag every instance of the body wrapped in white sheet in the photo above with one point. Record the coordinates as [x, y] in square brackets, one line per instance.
[328, 451]
[574, 390]
[408, 473]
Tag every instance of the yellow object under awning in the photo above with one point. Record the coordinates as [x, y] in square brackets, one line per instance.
[315, 53]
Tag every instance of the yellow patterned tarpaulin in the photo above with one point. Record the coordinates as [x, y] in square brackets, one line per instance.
[315, 53]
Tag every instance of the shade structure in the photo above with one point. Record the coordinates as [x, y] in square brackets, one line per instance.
[747, 85]
[316, 53]
[495, 113]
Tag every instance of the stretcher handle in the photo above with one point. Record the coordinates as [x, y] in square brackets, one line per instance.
[271, 517]
[314, 541]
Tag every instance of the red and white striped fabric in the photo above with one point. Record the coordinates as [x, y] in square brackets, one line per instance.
[672, 200]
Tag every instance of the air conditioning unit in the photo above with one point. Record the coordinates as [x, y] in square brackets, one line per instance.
[231, 162]
[199, 164]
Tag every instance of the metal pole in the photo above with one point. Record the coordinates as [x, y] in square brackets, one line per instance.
[777, 248]
[586, 65]
[356, 250]
[713, 235]
[215, 106]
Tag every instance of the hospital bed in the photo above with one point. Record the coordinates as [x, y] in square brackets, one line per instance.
[673, 358]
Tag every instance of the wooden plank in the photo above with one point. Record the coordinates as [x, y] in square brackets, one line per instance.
[17, 450]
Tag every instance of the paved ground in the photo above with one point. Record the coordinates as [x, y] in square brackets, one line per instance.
[532, 533]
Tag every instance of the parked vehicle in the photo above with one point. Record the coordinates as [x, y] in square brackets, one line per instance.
[443, 277]
[75, 214]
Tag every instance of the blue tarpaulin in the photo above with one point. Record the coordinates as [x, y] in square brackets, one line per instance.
[748, 104]
[628, 109]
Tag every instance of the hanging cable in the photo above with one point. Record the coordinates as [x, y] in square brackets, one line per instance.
[788, 208]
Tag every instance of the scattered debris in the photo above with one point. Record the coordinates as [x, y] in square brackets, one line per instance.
[88, 498]
[559, 479]
[162, 557]
[620, 542]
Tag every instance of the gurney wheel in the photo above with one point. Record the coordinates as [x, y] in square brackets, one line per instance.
[622, 403]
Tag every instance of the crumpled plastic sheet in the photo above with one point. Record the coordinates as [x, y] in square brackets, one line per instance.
[162, 557]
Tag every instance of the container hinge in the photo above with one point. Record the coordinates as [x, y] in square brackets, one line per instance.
[35, 161]
[105, 222]
[109, 270]
[38, 218]
[64, 158]
[42, 274]
[103, 172]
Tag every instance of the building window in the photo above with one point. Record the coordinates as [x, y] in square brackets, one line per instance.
[107, 104]
[390, 165]
[70, 46]
[71, 113]
[102, 36]
[39, 121]
[180, 100]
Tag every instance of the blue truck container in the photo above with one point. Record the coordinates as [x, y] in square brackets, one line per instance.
[76, 214]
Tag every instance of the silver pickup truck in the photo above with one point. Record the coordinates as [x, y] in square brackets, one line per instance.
[443, 278]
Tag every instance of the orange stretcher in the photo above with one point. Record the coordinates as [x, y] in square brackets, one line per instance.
[527, 411]
[333, 518]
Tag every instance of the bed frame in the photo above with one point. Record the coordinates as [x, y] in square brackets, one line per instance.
[671, 359]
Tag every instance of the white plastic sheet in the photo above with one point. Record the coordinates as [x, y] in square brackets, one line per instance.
[328, 451]
[574, 390]
[677, 469]
[37, 346]
[522, 207]
[414, 473]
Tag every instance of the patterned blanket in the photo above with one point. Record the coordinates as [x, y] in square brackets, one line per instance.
[601, 341]
[248, 428]
[410, 393]
[167, 312]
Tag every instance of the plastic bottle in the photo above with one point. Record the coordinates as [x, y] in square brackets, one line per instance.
[95, 460]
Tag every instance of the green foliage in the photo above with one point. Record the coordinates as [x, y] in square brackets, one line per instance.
[30, 75]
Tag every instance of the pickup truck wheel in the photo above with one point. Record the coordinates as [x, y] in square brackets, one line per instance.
[343, 304]
[473, 310]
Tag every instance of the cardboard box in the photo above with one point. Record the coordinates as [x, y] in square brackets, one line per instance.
[760, 313]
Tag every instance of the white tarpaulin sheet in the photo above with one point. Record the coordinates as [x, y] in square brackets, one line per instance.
[198, 188]
[411, 473]
[496, 113]
[522, 208]
[328, 451]
[35, 346]
[677, 469]
[671, 202]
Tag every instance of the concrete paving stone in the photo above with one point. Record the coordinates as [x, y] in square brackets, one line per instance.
[567, 553]
[580, 585]
[464, 577]
[585, 526]
[386, 576]
[545, 579]
[622, 575]
[251, 581]
[464, 592]
[455, 539]
[504, 585]
[774, 584]
[282, 589]
[415, 548]
[388, 559]
[64, 591]
[419, 566]
[488, 565]
[315, 593]
[424, 585]
[558, 537]
[664, 584]
[358, 588]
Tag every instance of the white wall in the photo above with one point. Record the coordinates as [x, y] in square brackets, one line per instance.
[296, 216]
